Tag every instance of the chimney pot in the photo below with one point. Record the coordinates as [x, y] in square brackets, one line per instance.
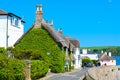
[51, 22]
[60, 31]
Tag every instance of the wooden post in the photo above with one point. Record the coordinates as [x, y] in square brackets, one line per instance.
[67, 57]
[28, 70]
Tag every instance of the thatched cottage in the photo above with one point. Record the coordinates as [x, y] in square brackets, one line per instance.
[69, 45]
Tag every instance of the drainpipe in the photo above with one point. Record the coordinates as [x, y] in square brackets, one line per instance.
[7, 37]
[7, 33]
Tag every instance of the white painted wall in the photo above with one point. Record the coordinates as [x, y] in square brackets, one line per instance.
[91, 56]
[78, 60]
[84, 51]
[14, 32]
[3, 21]
[108, 63]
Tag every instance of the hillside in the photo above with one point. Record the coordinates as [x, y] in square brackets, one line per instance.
[114, 49]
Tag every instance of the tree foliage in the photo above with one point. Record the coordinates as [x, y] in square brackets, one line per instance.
[86, 60]
[115, 50]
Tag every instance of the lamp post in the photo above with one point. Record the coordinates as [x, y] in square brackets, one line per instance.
[28, 69]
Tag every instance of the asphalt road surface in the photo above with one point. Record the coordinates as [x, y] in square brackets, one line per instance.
[69, 76]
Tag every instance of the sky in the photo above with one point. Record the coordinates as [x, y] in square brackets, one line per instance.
[92, 22]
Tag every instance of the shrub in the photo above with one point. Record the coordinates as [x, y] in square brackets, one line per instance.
[118, 68]
[19, 68]
[11, 69]
[57, 62]
[2, 50]
[94, 61]
[38, 69]
[86, 60]
[112, 70]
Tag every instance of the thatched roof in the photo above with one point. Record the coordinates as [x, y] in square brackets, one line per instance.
[55, 35]
[105, 57]
[64, 41]
[75, 42]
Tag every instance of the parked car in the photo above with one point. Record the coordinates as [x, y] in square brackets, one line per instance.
[87, 64]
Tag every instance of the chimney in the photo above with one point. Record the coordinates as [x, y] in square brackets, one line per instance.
[84, 51]
[102, 52]
[109, 54]
[51, 23]
[39, 15]
[60, 31]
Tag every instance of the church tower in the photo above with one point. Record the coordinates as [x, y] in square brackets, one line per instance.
[39, 16]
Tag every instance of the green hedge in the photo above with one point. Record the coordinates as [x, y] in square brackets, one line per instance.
[94, 61]
[38, 69]
[12, 69]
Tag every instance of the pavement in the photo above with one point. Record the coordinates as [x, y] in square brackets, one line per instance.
[72, 75]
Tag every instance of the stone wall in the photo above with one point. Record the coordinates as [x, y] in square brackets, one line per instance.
[105, 73]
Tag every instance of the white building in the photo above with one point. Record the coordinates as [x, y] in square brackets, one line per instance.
[88, 54]
[78, 60]
[11, 28]
[106, 59]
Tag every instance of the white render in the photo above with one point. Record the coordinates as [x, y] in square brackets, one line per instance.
[91, 56]
[9, 33]
[78, 60]
[84, 51]
[108, 63]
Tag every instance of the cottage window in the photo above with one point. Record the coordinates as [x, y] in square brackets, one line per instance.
[14, 21]
[78, 57]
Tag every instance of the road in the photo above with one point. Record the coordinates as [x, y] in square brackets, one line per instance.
[69, 76]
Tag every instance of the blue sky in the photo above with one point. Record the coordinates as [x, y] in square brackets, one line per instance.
[92, 22]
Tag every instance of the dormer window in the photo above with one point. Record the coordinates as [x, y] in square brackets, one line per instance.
[14, 21]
